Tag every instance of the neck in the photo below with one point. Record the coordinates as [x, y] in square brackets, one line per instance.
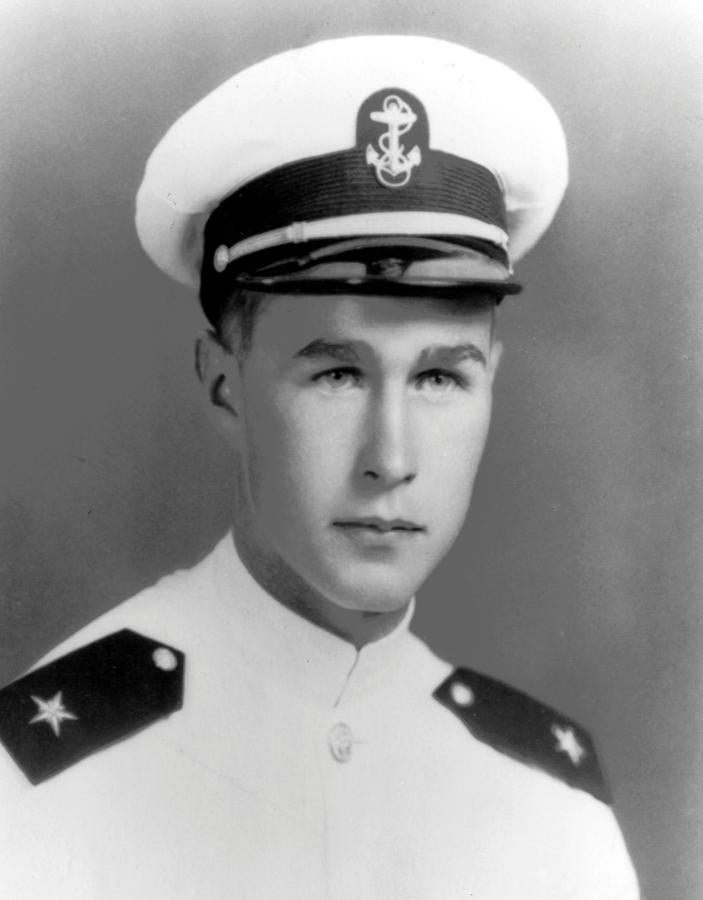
[358, 627]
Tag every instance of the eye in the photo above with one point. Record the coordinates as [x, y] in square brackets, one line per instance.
[338, 379]
[440, 380]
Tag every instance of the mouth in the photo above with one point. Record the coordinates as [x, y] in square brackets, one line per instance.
[379, 526]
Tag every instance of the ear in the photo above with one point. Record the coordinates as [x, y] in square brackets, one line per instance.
[218, 371]
[494, 357]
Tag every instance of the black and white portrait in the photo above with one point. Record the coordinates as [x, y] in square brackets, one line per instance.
[350, 514]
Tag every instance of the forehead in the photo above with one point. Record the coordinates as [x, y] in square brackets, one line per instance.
[288, 322]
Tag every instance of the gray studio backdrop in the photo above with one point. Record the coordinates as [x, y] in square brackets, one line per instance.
[579, 574]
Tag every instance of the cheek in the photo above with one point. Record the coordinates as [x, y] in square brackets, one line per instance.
[298, 457]
[453, 452]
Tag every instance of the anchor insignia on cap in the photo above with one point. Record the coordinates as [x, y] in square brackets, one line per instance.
[393, 165]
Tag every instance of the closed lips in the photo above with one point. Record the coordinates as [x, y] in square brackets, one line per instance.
[380, 525]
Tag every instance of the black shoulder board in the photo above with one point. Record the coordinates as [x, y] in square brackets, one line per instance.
[104, 692]
[523, 728]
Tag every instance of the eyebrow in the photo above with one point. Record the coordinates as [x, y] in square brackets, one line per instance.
[437, 354]
[452, 354]
[318, 348]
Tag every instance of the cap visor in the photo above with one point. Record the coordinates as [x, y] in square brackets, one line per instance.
[412, 287]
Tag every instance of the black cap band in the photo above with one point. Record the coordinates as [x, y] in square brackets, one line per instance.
[377, 176]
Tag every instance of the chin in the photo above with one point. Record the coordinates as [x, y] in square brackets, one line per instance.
[373, 595]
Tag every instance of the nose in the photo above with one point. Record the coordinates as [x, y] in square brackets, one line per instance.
[388, 455]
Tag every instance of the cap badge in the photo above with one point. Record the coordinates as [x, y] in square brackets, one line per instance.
[392, 164]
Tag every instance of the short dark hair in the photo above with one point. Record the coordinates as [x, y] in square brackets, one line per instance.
[237, 320]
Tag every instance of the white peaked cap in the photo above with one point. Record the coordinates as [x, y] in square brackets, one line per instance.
[490, 131]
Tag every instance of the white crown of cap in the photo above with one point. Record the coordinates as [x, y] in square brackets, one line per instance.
[304, 103]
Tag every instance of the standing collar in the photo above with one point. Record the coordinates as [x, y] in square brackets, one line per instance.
[302, 656]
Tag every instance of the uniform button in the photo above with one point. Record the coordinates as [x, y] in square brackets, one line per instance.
[462, 694]
[340, 740]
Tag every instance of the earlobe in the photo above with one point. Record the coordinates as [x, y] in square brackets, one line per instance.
[220, 395]
[218, 373]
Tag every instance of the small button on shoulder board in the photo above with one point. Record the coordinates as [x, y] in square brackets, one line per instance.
[94, 696]
[524, 728]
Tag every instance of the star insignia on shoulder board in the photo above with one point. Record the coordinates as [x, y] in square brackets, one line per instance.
[52, 711]
[568, 743]
[513, 723]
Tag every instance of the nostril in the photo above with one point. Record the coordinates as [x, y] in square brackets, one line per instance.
[372, 475]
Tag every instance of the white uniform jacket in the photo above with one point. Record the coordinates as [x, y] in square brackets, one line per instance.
[296, 767]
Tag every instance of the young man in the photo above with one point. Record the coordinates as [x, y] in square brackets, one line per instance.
[265, 725]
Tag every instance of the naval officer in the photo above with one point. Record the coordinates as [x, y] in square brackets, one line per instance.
[265, 724]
